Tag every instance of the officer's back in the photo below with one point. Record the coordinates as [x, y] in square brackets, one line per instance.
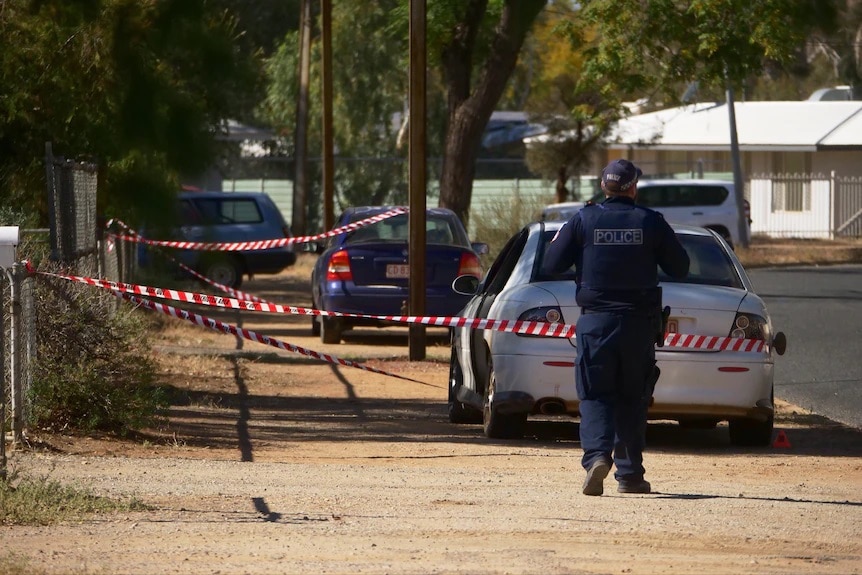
[616, 247]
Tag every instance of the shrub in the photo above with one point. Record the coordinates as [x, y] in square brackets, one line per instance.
[93, 369]
[499, 219]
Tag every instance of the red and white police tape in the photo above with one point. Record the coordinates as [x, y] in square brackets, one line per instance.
[133, 236]
[253, 336]
[194, 273]
[676, 340]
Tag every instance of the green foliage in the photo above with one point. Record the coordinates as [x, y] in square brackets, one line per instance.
[658, 46]
[445, 22]
[577, 113]
[32, 245]
[92, 370]
[12, 216]
[263, 22]
[41, 501]
[369, 87]
[115, 79]
[148, 185]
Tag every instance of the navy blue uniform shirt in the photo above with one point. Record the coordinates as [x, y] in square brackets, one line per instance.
[615, 247]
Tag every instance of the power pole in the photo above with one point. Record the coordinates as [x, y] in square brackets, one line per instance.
[326, 94]
[417, 178]
[300, 180]
[738, 182]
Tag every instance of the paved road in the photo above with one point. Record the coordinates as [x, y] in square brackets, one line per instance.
[820, 311]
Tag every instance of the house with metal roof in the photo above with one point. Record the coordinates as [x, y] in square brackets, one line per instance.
[806, 137]
[801, 161]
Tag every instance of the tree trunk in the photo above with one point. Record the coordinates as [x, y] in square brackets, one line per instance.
[855, 77]
[562, 192]
[470, 108]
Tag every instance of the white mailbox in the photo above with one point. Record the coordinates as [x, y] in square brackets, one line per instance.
[8, 245]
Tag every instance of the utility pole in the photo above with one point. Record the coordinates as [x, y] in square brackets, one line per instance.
[326, 94]
[417, 178]
[300, 156]
[738, 183]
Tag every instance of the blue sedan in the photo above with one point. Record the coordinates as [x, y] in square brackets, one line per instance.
[365, 271]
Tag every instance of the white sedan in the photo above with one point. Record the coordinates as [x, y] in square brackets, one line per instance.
[501, 378]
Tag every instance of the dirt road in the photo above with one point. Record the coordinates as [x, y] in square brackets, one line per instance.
[274, 463]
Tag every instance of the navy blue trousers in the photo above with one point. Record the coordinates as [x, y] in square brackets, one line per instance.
[613, 370]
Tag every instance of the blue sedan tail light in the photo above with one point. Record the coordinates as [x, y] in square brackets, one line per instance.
[469, 265]
[339, 267]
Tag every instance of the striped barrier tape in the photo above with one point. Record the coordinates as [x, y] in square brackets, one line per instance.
[252, 245]
[676, 340]
[239, 294]
[253, 336]
[714, 343]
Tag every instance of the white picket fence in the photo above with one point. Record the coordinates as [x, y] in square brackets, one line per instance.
[806, 205]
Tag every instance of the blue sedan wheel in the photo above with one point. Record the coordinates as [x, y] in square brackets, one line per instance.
[315, 322]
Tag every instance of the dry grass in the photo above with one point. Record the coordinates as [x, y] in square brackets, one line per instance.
[764, 252]
[42, 501]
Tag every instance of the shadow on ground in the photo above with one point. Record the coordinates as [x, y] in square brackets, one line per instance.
[252, 422]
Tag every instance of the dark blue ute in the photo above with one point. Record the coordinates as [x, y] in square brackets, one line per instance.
[229, 217]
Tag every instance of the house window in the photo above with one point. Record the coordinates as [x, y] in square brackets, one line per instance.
[791, 187]
[791, 195]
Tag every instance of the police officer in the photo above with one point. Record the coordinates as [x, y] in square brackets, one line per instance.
[615, 247]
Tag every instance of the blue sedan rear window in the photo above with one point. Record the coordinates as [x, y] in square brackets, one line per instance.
[438, 230]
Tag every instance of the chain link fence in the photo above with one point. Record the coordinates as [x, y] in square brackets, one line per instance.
[18, 316]
[17, 353]
[75, 243]
[72, 188]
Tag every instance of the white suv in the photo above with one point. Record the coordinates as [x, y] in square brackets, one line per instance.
[706, 203]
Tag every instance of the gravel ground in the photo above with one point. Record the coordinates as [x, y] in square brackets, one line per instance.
[274, 463]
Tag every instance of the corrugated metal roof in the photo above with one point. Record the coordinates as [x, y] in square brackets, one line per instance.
[788, 126]
[848, 134]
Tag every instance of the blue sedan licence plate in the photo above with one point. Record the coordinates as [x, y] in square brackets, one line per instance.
[397, 271]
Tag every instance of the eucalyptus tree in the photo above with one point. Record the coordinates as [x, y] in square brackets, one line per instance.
[576, 114]
[851, 60]
[369, 83]
[839, 38]
[652, 47]
[477, 43]
[142, 88]
[473, 47]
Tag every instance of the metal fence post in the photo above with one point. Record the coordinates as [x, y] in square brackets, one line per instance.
[3, 377]
[14, 355]
[832, 214]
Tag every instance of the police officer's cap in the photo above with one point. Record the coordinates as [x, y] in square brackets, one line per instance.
[619, 175]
